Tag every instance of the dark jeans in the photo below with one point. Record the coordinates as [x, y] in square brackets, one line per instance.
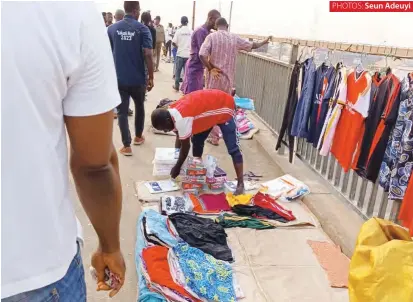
[138, 95]
[180, 64]
[168, 46]
[230, 135]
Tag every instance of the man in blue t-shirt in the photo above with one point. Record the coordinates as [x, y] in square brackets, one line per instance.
[131, 44]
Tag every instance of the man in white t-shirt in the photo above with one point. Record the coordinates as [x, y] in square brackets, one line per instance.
[182, 41]
[65, 81]
[168, 38]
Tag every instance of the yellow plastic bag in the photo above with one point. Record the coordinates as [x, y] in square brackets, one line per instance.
[381, 269]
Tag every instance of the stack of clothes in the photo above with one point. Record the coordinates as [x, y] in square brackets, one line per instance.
[183, 258]
[193, 175]
[217, 182]
[165, 159]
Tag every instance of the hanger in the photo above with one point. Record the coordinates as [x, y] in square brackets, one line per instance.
[327, 61]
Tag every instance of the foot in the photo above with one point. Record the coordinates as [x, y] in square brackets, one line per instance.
[156, 70]
[139, 140]
[240, 189]
[130, 112]
[174, 88]
[126, 151]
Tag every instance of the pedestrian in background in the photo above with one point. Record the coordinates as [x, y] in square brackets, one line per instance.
[131, 43]
[168, 44]
[194, 77]
[147, 20]
[119, 14]
[68, 93]
[182, 42]
[160, 39]
[109, 19]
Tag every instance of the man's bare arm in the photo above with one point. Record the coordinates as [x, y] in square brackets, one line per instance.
[148, 55]
[256, 45]
[95, 169]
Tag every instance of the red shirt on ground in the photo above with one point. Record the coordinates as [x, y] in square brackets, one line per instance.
[201, 110]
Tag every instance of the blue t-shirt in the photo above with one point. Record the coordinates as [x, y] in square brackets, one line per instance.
[128, 38]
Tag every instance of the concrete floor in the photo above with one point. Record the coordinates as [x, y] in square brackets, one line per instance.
[139, 167]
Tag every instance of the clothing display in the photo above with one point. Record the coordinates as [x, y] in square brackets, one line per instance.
[300, 122]
[397, 164]
[350, 127]
[215, 202]
[257, 212]
[378, 126]
[267, 202]
[238, 199]
[158, 274]
[287, 123]
[233, 221]
[175, 204]
[209, 278]
[333, 115]
[406, 210]
[204, 234]
[156, 230]
[323, 91]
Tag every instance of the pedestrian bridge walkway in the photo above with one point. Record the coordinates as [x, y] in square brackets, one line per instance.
[274, 266]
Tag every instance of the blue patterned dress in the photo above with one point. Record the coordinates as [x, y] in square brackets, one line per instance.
[397, 165]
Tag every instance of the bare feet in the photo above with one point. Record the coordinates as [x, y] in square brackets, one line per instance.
[240, 189]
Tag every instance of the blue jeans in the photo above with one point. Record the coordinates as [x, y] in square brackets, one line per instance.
[230, 136]
[179, 65]
[69, 289]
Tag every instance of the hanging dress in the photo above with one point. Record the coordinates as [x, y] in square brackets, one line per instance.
[323, 91]
[406, 209]
[333, 116]
[350, 127]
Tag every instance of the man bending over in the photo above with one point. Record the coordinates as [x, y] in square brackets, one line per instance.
[193, 117]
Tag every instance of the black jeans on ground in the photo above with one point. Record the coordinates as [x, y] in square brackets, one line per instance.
[138, 95]
[179, 65]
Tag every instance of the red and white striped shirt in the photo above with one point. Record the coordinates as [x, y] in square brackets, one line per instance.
[201, 110]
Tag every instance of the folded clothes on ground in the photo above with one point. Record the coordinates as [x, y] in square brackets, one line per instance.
[267, 202]
[175, 204]
[238, 199]
[202, 233]
[199, 206]
[158, 275]
[157, 230]
[233, 221]
[257, 212]
[244, 103]
[209, 278]
[215, 202]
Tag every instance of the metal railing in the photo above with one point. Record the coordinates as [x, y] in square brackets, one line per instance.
[266, 80]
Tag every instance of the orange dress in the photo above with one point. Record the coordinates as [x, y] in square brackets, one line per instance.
[406, 210]
[350, 128]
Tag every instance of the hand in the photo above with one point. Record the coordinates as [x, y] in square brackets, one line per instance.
[175, 172]
[215, 73]
[114, 261]
[150, 85]
[266, 41]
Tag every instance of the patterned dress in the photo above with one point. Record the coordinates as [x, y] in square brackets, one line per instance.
[397, 165]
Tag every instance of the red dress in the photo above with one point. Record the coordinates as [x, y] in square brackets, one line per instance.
[406, 210]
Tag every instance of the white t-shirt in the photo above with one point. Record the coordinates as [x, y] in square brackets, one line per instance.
[52, 65]
[182, 39]
[169, 34]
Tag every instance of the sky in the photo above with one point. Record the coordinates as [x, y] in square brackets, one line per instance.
[303, 19]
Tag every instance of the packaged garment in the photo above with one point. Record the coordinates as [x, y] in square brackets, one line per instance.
[215, 202]
[266, 201]
[162, 170]
[257, 212]
[191, 186]
[166, 156]
[158, 274]
[218, 186]
[210, 164]
[238, 199]
[381, 268]
[204, 234]
[176, 204]
[231, 186]
[244, 103]
[209, 278]
[233, 221]
[161, 186]
[193, 179]
[286, 188]
[350, 128]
